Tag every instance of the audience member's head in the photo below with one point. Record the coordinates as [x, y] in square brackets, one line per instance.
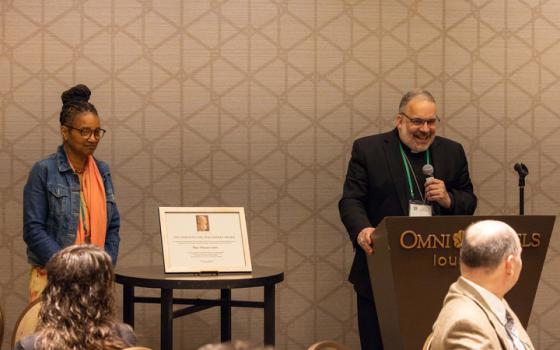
[234, 345]
[491, 256]
[77, 303]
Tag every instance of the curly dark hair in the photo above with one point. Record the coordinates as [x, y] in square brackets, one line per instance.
[77, 304]
[75, 101]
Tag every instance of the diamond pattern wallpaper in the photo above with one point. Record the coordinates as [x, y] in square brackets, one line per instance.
[255, 103]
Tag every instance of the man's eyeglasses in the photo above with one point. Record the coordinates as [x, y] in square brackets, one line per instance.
[421, 122]
[86, 132]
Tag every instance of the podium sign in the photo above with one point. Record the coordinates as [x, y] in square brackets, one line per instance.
[417, 258]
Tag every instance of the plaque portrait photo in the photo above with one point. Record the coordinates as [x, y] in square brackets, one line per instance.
[202, 223]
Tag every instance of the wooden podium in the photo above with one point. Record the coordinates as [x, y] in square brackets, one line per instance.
[416, 260]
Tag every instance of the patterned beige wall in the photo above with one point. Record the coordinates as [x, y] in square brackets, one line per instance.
[255, 103]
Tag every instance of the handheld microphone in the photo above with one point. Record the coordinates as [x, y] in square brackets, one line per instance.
[428, 170]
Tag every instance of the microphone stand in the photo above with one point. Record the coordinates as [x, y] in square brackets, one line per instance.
[522, 171]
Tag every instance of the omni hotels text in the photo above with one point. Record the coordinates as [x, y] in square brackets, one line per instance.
[409, 239]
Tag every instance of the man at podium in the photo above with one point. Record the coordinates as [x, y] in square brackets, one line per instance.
[406, 171]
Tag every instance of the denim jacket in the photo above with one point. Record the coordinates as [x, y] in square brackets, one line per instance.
[51, 205]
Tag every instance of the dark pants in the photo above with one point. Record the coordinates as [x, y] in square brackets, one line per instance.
[368, 325]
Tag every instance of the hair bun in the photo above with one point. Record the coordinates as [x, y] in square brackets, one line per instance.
[78, 93]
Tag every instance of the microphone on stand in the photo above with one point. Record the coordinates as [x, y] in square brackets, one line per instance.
[522, 171]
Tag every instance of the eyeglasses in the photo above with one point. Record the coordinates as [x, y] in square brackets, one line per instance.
[86, 132]
[420, 121]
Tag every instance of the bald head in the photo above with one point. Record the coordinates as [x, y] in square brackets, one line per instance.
[486, 243]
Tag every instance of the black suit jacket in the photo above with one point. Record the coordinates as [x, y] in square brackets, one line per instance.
[376, 187]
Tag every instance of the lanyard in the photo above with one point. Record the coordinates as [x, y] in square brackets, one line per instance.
[409, 169]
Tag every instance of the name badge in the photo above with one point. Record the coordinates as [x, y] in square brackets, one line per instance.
[419, 209]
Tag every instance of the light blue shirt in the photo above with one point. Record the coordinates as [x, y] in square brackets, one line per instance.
[498, 307]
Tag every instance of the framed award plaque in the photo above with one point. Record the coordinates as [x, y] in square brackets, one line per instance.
[204, 239]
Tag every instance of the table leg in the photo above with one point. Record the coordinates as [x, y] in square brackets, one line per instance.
[128, 304]
[269, 315]
[225, 313]
[166, 331]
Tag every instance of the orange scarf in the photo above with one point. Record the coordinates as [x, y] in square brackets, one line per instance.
[94, 213]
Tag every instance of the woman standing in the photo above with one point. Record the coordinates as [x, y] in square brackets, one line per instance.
[68, 198]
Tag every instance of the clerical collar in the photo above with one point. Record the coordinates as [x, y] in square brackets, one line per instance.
[410, 152]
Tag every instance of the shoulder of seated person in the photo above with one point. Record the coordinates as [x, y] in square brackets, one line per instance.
[26, 343]
[126, 333]
[123, 328]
